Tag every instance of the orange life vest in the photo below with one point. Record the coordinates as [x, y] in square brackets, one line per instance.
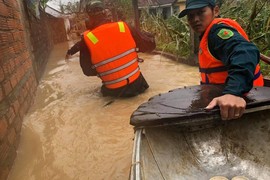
[213, 70]
[113, 54]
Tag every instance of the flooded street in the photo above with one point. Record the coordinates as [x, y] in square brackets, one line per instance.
[69, 134]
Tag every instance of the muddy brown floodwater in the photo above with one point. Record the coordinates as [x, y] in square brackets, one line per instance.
[69, 134]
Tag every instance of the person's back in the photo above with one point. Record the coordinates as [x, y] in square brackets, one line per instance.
[109, 51]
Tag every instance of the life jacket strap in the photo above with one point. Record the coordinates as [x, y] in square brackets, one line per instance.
[257, 75]
[213, 70]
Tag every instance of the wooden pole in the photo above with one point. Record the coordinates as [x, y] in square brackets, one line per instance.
[265, 59]
[136, 14]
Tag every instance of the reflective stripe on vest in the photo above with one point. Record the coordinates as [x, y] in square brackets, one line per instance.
[122, 78]
[119, 68]
[114, 58]
[92, 38]
[121, 27]
[113, 54]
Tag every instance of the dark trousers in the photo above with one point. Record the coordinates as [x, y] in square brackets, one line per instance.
[132, 89]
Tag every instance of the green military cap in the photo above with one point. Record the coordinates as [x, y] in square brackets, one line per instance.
[196, 4]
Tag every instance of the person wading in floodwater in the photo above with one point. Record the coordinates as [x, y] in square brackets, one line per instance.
[109, 51]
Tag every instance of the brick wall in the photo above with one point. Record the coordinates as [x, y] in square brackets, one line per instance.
[17, 82]
[25, 45]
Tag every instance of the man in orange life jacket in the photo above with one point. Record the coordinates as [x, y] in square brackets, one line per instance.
[109, 51]
[76, 47]
[226, 56]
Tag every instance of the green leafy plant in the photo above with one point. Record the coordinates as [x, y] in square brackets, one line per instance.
[173, 34]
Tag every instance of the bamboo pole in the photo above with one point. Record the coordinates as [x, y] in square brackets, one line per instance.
[265, 59]
[136, 14]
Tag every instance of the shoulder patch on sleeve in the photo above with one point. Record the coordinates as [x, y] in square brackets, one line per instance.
[225, 33]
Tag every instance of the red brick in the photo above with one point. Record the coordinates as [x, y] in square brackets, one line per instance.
[4, 24]
[25, 92]
[11, 51]
[18, 124]
[26, 55]
[3, 129]
[17, 47]
[23, 44]
[17, 61]
[16, 35]
[21, 101]
[10, 115]
[27, 65]
[3, 10]
[11, 136]
[6, 69]
[7, 87]
[12, 65]
[15, 14]
[18, 74]
[2, 74]
[1, 94]
[11, 3]
[25, 69]
[22, 110]
[16, 106]
[23, 38]
[27, 87]
[5, 38]
[5, 53]
[4, 149]
[11, 24]
[20, 26]
[14, 81]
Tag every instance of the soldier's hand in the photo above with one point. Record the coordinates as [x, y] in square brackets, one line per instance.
[231, 107]
[67, 57]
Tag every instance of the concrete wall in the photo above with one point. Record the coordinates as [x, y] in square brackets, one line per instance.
[25, 44]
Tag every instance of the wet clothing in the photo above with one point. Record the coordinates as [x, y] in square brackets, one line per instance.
[113, 54]
[213, 70]
[144, 43]
[74, 49]
[132, 89]
[238, 55]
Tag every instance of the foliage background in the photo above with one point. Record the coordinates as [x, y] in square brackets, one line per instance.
[173, 34]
